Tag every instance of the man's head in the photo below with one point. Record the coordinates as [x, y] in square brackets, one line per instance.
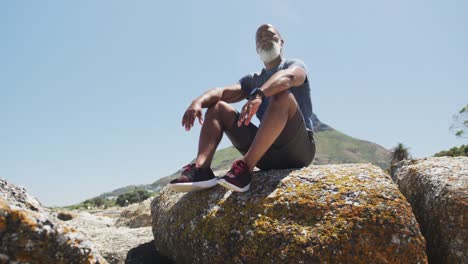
[269, 42]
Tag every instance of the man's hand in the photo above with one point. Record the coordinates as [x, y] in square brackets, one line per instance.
[192, 112]
[248, 110]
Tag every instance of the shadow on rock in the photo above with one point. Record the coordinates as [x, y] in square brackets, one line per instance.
[146, 254]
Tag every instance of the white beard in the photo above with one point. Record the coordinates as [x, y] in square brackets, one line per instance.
[268, 56]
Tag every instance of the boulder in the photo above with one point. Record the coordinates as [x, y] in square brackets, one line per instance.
[29, 234]
[437, 189]
[136, 215]
[65, 216]
[348, 213]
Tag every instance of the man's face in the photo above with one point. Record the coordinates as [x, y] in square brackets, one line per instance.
[266, 35]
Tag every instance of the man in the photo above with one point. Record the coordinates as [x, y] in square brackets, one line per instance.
[280, 97]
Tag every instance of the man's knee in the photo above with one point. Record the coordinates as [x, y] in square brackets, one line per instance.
[222, 111]
[218, 108]
[281, 98]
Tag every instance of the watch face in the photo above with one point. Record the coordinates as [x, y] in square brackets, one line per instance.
[252, 93]
[254, 90]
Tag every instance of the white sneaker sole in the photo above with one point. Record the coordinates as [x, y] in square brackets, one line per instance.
[230, 186]
[192, 186]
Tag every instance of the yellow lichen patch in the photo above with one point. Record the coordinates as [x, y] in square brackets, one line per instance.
[68, 229]
[3, 205]
[22, 217]
[25, 257]
[4, 211]
[3, 224]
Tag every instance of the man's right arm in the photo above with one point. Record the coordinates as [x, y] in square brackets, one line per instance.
[229, 94]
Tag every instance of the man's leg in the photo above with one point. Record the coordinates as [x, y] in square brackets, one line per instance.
[218, 118]
[281, 108]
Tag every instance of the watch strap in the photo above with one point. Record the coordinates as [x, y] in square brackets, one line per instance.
[256, 91]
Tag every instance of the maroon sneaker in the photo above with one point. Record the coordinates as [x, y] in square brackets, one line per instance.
[238, 177]
[193, 179]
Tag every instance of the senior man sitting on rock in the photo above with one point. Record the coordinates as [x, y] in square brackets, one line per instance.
[280, 97]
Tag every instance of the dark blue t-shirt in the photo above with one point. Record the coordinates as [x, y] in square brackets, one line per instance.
[301, 93]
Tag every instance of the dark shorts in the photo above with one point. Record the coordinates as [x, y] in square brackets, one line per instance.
[294, 147]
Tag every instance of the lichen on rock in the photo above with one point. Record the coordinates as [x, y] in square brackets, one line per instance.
[29, 234]
[437, 188]
[348, 213]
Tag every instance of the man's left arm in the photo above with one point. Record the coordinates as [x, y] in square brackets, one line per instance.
[280, 81]
[283, 80]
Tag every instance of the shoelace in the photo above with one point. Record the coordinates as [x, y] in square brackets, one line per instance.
[188, 168]
[237, 167]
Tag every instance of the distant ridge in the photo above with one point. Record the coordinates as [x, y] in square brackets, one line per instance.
[319, 125]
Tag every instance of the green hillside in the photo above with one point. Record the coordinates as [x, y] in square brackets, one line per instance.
[333, 147]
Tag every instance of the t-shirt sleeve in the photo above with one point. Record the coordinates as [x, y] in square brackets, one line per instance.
[299, 63]
[247, 83]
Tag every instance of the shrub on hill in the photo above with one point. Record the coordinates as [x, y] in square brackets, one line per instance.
[454, 152]
[399, 153]
[134, 196]
[97, 202]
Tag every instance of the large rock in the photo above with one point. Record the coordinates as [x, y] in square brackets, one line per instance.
[28, 234]
[437, 189]
[349, 213]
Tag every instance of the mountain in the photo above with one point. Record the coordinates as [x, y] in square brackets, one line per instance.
[332, 147]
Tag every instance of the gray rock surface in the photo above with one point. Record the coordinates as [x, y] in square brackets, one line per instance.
[437, 189]
[17, 196]
[113, 242]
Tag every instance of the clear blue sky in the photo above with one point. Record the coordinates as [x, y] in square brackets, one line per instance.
[92, 92]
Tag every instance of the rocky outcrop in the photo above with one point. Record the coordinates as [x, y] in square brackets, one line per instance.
[17, 196]
[319, 125]
[136, 215]
[28, 234]
[349, 213]
[114, 243]
[437, 189]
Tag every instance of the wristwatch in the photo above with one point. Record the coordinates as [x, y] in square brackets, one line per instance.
[253, 94]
